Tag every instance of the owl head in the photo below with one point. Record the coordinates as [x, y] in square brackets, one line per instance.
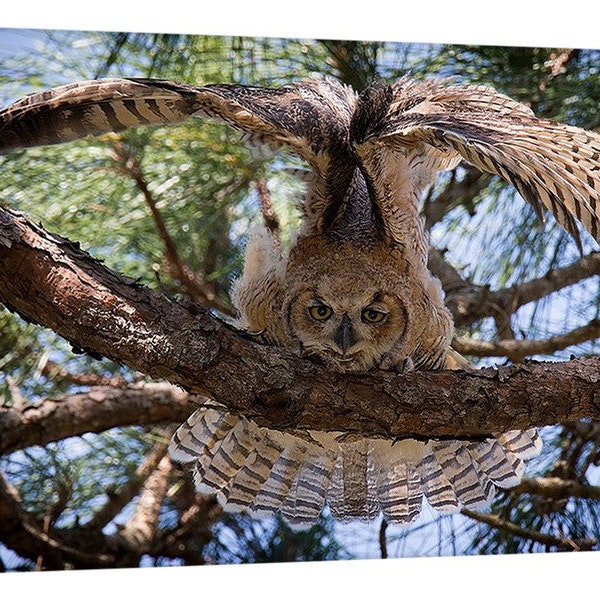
[354, 311]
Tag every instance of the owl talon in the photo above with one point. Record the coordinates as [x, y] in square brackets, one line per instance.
[390, 363]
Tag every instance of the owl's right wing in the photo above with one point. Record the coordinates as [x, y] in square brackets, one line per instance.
[305, 115]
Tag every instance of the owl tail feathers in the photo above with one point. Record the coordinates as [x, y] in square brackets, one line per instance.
[263, 471]
[395, 478]
[457, 474]
[254, 469]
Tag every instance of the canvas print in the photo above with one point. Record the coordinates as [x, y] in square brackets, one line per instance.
[275, 300]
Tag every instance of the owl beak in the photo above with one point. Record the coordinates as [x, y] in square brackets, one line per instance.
[345, 336]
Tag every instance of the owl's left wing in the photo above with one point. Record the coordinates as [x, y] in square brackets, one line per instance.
[435, 125]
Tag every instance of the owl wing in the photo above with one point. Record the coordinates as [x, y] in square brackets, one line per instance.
[76, 110]
[434, 126]
[298, 115]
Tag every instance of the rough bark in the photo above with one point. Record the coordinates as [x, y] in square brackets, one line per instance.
[51, 281]
[96, 410]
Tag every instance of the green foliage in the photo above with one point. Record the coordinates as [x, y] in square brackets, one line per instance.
[239, 539]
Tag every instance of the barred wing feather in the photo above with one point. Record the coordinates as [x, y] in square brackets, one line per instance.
[552, 165]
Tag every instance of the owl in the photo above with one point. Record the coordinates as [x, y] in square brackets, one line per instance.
[352, 290]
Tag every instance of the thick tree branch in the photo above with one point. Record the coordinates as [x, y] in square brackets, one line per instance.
[105, 314]
[99, 409]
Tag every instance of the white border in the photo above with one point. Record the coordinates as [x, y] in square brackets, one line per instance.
[507, 22]
[489, 577]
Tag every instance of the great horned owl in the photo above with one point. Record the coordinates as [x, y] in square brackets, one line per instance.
[353, 290]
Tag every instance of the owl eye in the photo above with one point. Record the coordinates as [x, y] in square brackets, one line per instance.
[371, 315]
[320, 312]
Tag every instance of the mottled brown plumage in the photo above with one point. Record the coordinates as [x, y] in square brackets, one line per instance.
[353, 290]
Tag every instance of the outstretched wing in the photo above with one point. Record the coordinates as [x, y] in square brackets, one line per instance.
[433, 125]
[309, 116]
[76, 110]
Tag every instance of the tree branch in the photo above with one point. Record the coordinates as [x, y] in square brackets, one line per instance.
[530, 534]
[517, 350]
[456, 192]
[119, 499]
[469, 302]
[557, 488]
[99, 409]
[105, 314]
[140, 530]
[21, 532]
[130, 166]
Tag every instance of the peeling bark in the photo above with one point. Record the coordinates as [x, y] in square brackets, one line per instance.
[105, 314]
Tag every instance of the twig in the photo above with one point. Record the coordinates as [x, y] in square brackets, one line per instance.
[555, 487]
[382, 539]
[536, 536]
[130, 166]
[26, 536]
[55, 372]
[516, 350]
[557, 65]
[461, 192]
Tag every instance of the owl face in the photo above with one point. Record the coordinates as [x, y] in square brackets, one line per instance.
[349, 332]
[345, 311]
